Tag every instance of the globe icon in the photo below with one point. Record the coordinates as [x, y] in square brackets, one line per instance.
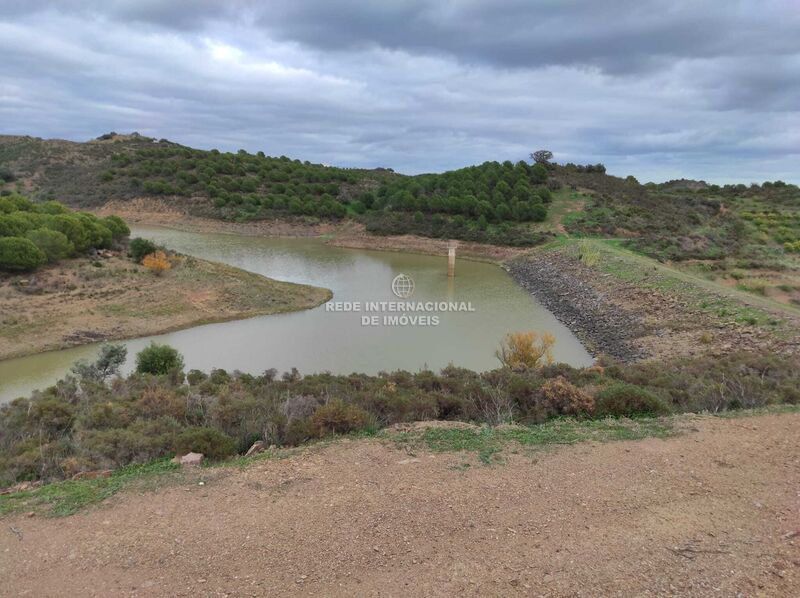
[403, 286]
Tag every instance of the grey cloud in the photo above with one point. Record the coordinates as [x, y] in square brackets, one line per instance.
[708, 90]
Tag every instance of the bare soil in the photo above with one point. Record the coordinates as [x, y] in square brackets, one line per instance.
[82, 300]
[713, 512]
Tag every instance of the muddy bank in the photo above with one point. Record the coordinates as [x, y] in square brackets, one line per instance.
[602, 325]
[347, 233]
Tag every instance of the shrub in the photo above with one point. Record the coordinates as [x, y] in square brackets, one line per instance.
[588, 254]
[158, 360]
[14, 225]
[212, 443]
[526, 349]
[51, 416]
[73, 229]
[159, 402]
[140, 442]
[117, 226]
[628, 400]
[53, 244]
[139, 248]
[157, 263]
[338, 417]
[195, 377]
[561, 397]
[19, 254]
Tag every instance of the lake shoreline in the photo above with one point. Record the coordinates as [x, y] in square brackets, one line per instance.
[347, 234]
[120, 300]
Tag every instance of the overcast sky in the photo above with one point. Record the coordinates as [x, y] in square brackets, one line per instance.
[658, 89]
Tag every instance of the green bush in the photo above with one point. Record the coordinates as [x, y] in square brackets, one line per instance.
[18, 254]
[117, 226]
[14, 224]
[73, 229]
[628, 400]
[158, 360]
[139, 248]
[212, 443]
[338, 417]
[53, 244]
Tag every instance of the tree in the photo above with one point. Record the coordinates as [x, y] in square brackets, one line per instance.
[158, 360]
[117, 227]
[542, 157]
[526, 350]
[54, 244]
[73, 228]
[139, 248]
[538, 213]
[157, 262]
[538, 174]
[108, 363]
[19, 254]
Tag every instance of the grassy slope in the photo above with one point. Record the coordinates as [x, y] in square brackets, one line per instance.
[670, 271]
[721, 304]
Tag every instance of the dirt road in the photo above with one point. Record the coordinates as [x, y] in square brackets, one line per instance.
[714, 512]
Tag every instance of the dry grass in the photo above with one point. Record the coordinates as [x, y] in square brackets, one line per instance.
[81, 301]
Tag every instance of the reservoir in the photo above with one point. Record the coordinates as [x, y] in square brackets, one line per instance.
[335, 340]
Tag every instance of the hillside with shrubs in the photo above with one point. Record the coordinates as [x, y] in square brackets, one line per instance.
[493, 202]
[740, 235]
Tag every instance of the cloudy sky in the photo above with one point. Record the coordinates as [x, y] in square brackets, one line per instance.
[697, 88]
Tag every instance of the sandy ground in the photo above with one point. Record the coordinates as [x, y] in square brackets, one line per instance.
[713, 512]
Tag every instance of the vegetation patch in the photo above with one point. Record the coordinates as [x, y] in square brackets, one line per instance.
[32, 235]
[489, 441]
[96, 420]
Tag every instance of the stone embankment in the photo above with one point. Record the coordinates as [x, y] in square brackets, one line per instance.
[600, 323]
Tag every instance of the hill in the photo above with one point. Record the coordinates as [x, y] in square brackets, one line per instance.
[492, 202]
[746, 236]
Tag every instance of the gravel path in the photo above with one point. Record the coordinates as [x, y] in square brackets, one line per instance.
[713, 512]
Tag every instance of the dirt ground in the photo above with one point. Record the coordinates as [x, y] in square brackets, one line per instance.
[713, 512]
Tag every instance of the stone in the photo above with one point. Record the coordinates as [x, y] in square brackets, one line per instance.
[259, 446]
[191, 459]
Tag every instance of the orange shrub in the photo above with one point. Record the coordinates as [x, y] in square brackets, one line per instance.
[157, 262]
[526, 349]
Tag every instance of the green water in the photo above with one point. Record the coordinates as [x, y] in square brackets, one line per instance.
[318, 340]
